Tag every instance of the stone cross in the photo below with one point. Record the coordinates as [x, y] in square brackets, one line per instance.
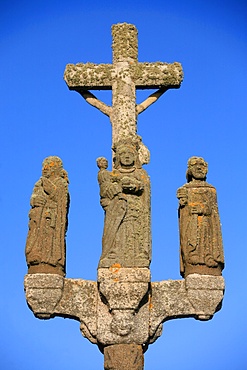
[123, 312]
[123, 76]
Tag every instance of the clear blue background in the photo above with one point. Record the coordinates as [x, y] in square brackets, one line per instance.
[39, 117]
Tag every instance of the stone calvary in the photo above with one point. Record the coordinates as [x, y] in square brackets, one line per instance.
[123, 312]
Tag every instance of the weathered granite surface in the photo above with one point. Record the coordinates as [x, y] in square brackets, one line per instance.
[123, 312]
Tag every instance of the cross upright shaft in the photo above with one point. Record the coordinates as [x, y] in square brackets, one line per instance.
[125, 52]
[124, 76]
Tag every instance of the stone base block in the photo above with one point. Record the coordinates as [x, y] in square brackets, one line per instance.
[123, 357]
[116, 273]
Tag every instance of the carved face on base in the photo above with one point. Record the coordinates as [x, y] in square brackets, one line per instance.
[122, 322]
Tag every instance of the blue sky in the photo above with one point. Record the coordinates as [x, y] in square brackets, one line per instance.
[40, 117]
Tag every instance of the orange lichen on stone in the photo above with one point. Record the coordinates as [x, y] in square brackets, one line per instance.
[115, 267]
[200, 218]
[194, 204]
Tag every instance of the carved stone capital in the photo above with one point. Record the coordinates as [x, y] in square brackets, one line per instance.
[43, 292]
[123, 288]
[123, 315]
[205, 293]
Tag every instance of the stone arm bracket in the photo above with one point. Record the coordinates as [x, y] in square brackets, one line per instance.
[50, 295]
[198, 296]
[119, 318]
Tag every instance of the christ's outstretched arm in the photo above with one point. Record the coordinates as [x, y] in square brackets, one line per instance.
[150, 100]
[92, 100]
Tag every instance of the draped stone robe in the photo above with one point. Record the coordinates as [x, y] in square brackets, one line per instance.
[201, 249]
[45, 246]
[125, 197]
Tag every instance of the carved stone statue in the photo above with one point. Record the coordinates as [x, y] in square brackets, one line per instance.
[201, 249]
[104, 177]
[125, 197]
[45, 246]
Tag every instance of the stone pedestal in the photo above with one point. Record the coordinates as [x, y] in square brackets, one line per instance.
[123, 357]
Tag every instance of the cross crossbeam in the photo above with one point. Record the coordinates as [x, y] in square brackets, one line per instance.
[91, 76]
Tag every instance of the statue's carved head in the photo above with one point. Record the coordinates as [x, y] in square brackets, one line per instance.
[52, 166]
[197, 169]
[126, 154]
[102, 163]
